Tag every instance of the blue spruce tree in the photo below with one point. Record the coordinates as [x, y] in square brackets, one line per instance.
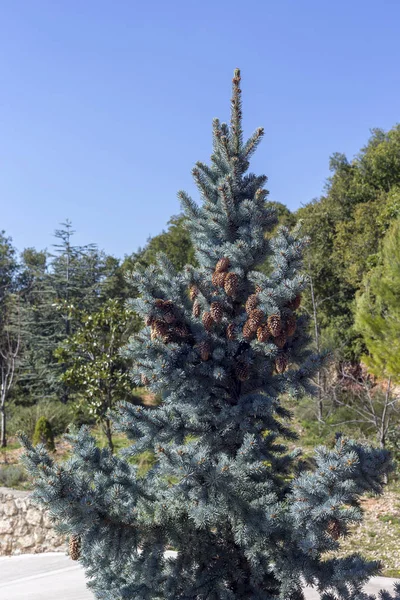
[222, 343]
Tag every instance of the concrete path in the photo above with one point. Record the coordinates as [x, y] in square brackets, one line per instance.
[54, 576]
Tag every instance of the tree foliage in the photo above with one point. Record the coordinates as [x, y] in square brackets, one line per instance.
[377, 315]
[346, 226]
[97, 374]
[222, 342]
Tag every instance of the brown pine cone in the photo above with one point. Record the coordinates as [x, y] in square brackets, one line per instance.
[258, 289]
[281, 363]
[169, 337]
[169, 317]
[222, 265]
[290, 325]
[251, 303]
[159, 303]
[230, 331]
[280, 339]
[295, 303]
[256, 318]
[217, 311]
[248, 331]
[204, 349]
[159, 328]
[149, 320]
[218, 278]
[275, 325]
[263, 333]
[145, 380]
[231, 284]
[75, 547]
[334, 529]
[196, 308]
[242, 371]
[208, 321]
[193, 292]
[181, 330]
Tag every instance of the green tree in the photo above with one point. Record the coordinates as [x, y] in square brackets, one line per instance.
[346, 227]
[377, 315]
[222, 344]
[10, 334]
[44, 434]
[97, 374]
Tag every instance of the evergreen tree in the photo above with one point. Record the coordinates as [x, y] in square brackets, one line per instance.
[222, 343]
[377, 314]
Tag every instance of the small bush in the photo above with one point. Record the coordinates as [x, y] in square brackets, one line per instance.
[44, 434]
[13, 476]
[24, 418]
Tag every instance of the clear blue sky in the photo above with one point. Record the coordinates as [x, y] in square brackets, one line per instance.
[106, 105]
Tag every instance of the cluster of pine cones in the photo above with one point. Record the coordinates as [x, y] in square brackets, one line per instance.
[225, 279]
[273, 327]
[167, 326]
[222, 278]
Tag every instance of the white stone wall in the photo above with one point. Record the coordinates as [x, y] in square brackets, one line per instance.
[24, 527]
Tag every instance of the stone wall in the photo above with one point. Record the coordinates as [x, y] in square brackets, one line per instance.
[24, 527]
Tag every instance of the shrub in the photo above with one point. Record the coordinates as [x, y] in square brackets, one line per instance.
[44, 434]
[13, 476]
[24, 418]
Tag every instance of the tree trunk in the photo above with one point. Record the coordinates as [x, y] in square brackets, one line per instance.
[3, 442]
[317, 344]
[109, 436]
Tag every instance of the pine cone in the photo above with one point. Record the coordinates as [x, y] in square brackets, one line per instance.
[291, 325]
[275, 325]
[169, 337]
[258, 289]
[204, 349]
[242, 371]
[230, 331]
[251, 303]
[75, 547]
[208, 321]
[295, 303]
[149, 320]
[159, 328]
[169, 317]
[263, 333]
[193, 292]
[196, 308]
[217, 311]
[281, 363]
[334, 529]
[145, 380]
[255, 318]
[222, 265]
[231, 284]
[181, 330]
[280, 339]
[248, 331]
[218, 278]
[159, 303]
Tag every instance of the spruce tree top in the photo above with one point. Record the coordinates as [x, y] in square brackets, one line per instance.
[222, 343]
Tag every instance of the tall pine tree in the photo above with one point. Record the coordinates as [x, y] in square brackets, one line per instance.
[222, 343]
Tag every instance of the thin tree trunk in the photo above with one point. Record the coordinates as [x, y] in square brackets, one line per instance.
[109, 435]
[3, 426]
[319, 395]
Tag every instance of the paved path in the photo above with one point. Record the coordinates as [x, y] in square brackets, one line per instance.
[54, 576]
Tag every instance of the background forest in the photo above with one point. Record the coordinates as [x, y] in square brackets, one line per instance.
[64, 319]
